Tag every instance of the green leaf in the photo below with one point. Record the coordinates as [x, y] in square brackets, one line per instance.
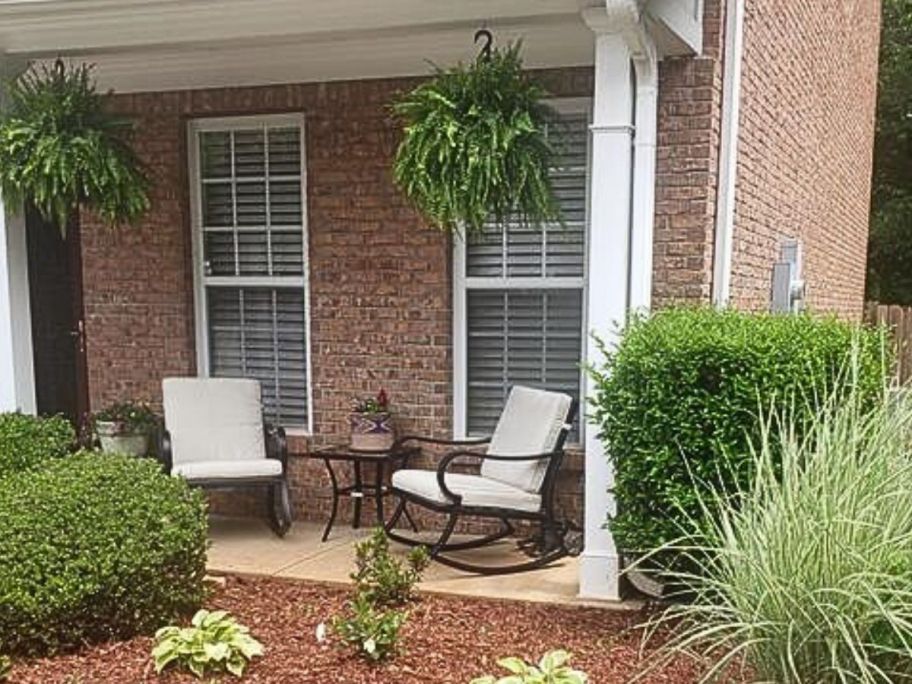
[236, 666]
[514, 665]
[552, 660]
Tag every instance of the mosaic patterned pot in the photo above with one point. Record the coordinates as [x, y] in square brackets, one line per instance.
[371, 431]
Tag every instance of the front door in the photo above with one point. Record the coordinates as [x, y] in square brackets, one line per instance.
[58, 320]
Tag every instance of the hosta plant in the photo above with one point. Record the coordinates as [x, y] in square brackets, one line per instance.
[553, 668]
[475, 145]
[214, 642]
[62, 149]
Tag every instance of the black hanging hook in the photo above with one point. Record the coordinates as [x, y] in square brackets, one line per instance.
[485, 52]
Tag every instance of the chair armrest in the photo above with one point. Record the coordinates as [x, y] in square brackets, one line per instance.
[478, 441]
[402, 441]
[165, 455]
[276, 444]
[452, 456]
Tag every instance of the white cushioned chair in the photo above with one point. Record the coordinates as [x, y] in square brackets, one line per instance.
[215, 438]
[515, 482]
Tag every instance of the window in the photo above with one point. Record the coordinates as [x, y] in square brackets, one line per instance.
[519, 295]
[250, 254]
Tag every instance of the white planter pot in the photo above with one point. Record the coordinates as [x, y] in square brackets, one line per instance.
[643, 582]
[115, 441]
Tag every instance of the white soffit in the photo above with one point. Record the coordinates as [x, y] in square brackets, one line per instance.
[678, 25]
[178, 44]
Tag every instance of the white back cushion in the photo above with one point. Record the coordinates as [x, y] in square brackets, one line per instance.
[530, 424]
[213, 419]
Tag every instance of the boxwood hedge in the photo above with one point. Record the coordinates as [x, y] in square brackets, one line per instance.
[96, 547]
[26, 441]
[678, 399]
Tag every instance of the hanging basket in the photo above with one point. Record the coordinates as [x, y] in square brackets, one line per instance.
[60, 149]
[475, 148]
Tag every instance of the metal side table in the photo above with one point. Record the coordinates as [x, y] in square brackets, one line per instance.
[384, 461]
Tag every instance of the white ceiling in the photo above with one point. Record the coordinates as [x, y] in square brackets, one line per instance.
[171, 44]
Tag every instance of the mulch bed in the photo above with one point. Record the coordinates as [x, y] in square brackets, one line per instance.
[447, 640]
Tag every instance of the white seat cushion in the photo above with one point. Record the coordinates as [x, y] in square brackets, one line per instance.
[474, 489]
[530, 424]
[213, 419]
[228, 470]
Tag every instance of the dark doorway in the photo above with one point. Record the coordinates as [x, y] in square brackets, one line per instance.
[55, 291]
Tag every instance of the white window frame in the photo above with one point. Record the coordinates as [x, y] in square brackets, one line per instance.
[463, 283]
[201, 281]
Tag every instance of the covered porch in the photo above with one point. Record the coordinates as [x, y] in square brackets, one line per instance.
[369, 296]
[242, 546]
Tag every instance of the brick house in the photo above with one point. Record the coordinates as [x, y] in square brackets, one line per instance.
[709, 140]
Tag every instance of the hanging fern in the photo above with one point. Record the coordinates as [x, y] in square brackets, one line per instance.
[61, 149]
[475, 146]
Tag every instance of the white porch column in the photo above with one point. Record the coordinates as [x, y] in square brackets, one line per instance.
[17, 375]
[620, 240]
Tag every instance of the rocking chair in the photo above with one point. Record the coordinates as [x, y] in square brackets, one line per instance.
[215, 438]
[516, 482]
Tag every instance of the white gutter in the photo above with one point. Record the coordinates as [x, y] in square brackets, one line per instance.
[728, 152]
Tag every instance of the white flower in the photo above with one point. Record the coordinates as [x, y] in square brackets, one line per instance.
[321, 632]
[370, 646]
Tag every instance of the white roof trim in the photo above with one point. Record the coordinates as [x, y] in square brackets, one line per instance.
[175, 44]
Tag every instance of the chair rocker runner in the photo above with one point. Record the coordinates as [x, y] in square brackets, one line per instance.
[215, 438]
[516, 482]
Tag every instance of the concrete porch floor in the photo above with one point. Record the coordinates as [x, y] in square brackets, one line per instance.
[247, 546]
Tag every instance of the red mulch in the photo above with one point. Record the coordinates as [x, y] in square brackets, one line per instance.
[447, 640]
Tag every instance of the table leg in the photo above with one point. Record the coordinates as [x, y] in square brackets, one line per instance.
[357, 494]
[335, 502]
[378, 492]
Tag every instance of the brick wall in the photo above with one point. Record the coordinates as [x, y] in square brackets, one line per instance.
[804, 161]
[687, 165]
[380, 280]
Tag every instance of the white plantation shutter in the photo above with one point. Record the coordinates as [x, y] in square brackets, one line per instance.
[249, 219]
[524, 293]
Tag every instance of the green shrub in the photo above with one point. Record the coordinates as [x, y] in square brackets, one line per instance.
[381, 578]
[26, 441]
[371, 630]
[214, 642]
[805, 575]
[684, 387]
[96, 547]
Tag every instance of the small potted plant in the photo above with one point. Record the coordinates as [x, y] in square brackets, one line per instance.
[125, 428]
[371, 423]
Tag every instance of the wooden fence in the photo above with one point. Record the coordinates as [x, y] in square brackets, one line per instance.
[899, 320]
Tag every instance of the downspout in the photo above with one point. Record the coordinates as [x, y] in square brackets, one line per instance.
[646, 70]
[728, 152]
